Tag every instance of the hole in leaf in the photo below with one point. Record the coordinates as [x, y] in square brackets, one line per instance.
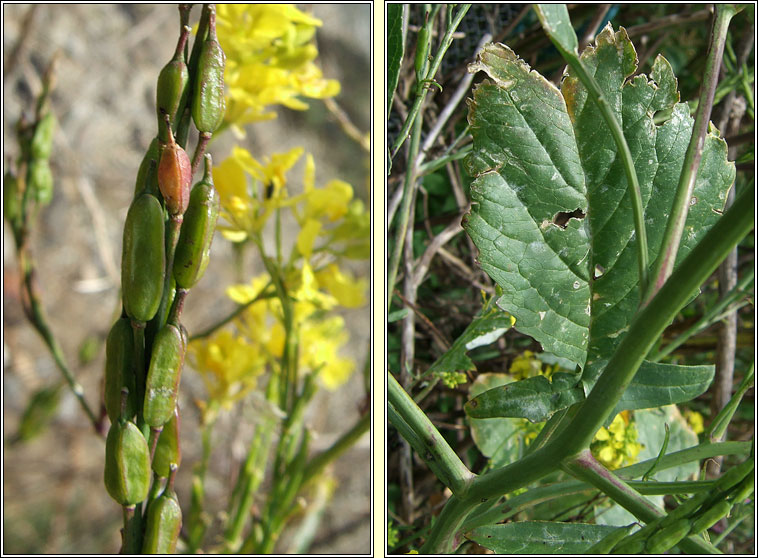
[562, 217]
[660, 117]
[599, 270]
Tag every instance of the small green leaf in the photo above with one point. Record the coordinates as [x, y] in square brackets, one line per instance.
[38, 413]
[395, 49]
[397, 315]
[557, 24]
[496, 438]
[489, 325]
[534, 398]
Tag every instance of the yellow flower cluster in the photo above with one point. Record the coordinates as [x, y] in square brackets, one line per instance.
[252, 191]
[617, 445]
[695, 421]
[269, 60]
[332, 226]
[527, 365]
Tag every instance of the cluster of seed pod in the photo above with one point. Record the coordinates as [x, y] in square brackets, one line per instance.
[166, 244]
[32, 181]
[697, 514]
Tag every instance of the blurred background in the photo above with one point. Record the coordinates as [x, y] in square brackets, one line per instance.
[110, 57]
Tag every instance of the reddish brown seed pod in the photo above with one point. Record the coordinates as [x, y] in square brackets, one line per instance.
[174, 174]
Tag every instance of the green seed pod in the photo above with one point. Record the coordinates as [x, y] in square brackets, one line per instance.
[668, 537]
[208, 103]
[684, 510]
[40, 180]
[127, 463]
[636, 546]
[119, 370]
[744, 490]
[193, 249]
[42, 140]
[164, 522]
[169, 449]
[143, 259]
[163, 376]
[606, 544]
[153, 154]
[711, 516]
[11, 202]
[734, 475]
[172, 86]
[174, 174]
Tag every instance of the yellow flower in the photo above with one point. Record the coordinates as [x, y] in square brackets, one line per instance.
[525, 366]
[307, 290]
[307, 236]
[228, 365]
[352, 237]
[695, 420]
[247, 207]
[330, 202]
[242, 294]
[269, 60]
[616, 445]
[320, 342]
[349, 292]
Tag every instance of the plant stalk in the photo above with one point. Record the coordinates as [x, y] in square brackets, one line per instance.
[456, 475]
[664, 263]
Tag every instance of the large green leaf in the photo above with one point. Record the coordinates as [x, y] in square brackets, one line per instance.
[539, 537]
[544, 159]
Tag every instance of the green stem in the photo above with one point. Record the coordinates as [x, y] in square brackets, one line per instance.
[263, 295]
[318, 463]
[405, 210]
[177, 306]
[710, 317]
[413, 112]
[36, 314]
[196, 523]
[202, 143]
[248, 483]
[132, 542]
[252, 475]
[677, 458]
[645, 329]
[594, 91]
[731, 527]
[651, 320]
[172, 238]
[585, 467]
[664, 264]
[431, 166]
[719, 424]
[456, 475]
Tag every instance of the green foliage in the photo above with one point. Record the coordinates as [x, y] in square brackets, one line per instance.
[39, 412]
[395, 48]
[553, 226]
[571, 284]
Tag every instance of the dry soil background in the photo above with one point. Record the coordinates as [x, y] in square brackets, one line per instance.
[54, 499]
